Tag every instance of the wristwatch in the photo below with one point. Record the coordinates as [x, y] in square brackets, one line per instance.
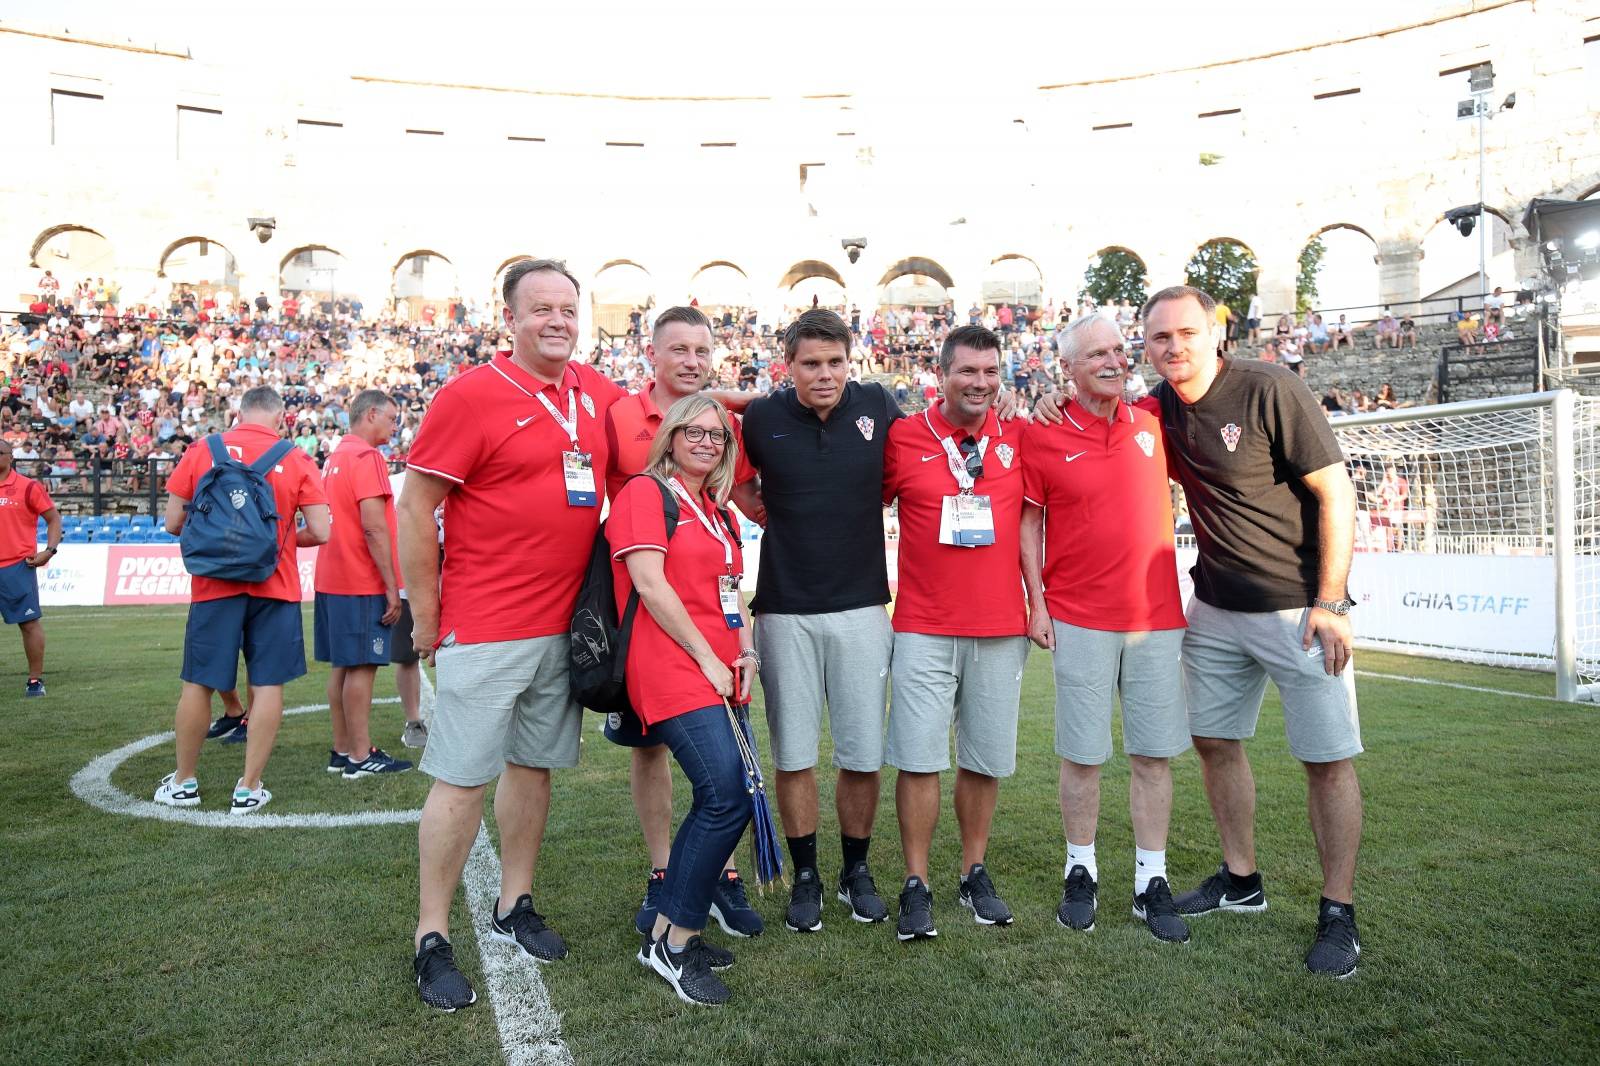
[1339, 607]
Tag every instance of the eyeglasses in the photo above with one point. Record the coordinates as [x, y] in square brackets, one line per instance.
[696, 434]
[969, 448]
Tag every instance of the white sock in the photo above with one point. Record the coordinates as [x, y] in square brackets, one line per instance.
[1147, 864]
[1082, 855]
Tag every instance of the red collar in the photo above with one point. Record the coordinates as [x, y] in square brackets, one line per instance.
[1080, 418]
[527, 382]
[942, 428]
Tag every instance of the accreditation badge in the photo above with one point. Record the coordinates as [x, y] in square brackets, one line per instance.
[966, 521]
[728, 596]
[578, 469]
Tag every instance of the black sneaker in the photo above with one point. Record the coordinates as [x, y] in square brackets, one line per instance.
[1338, 947]
[337, 762]
[805, 903]
[857, 891]
[689, 973]
[35, 688]
[1154, 907]
[1216, 893]
[978, 896]
[644, 920]
[224, 725]
[730, 906]
[439, 984]
[524, 927]
[376, 762]
[916, 912]
[1080, 898]
[717, 958]
[240, 734]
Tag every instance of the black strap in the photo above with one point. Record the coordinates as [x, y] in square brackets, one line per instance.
[669, 508]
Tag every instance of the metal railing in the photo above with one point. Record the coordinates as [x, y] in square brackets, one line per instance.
[1433, 309]
[99, 487]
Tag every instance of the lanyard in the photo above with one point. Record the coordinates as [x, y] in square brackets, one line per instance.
[569, 423]
[953, 456]
[714, 528]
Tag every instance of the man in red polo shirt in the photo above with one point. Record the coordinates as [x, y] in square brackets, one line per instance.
[959, 620]
[1104, 596]
[680, 351]
[263, 618]
[515, 449]
[358, 585]
[22, 502]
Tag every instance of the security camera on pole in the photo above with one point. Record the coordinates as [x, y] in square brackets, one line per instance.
[1480, 81]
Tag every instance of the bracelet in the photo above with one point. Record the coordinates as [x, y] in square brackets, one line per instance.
[750, 654]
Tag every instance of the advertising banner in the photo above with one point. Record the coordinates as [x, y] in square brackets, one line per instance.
[117, 574]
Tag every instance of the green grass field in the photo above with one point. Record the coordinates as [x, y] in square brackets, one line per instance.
[131, 940]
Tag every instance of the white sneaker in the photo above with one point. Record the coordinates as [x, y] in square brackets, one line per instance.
[415, 735]
[175, 793]
[245, 800]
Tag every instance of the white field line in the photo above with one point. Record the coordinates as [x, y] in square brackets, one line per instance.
[1457, 684]
[93, 785]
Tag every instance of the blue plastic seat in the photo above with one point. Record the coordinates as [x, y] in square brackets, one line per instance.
[142, 521]
[75, 536]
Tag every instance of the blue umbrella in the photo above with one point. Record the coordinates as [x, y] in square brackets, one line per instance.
[763, 832]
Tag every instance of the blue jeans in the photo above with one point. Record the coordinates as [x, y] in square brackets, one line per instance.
[702, 742]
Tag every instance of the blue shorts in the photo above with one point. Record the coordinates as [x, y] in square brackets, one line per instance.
[348, 630]
[19, 593]
[268, 632]
[626, 729]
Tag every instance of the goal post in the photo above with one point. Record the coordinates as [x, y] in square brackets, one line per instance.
[1478, 533]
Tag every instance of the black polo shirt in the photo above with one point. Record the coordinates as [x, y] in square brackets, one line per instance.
[1240, 453]
[822, 483]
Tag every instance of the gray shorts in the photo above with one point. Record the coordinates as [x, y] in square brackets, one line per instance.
[503, 701]
[974, 682]
[841, 658]
[1228, 657]
[1093, 668]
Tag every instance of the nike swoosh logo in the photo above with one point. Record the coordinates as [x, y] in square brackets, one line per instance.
[524, 421]
[1080, 455]
[936, 455]
[1242, 899]
[779, 436]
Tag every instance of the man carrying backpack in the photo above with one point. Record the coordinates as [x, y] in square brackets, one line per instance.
[237, 493]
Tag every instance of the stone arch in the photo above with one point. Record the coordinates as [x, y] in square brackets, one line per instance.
[313, 270]
[1124, 276]
[1593, 189]
[1231, 280]
[1014, 279]
[920, 266]
[52, 233]
[1348, 274]
[496, 298]
[1449, 265]
[809, 268]
[422, 279]
[614, 298]
[169, 254]
[720, 284]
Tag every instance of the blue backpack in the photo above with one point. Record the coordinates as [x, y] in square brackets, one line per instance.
[231, 532]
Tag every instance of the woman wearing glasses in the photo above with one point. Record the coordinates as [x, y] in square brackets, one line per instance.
[690, 635]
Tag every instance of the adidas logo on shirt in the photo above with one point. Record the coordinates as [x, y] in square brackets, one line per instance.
[645, 435]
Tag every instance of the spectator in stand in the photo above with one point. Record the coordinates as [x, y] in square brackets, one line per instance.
[23, 501]
[1285, 328]
[1408, 332]
[225, 617]
[1253, 317]
[1319, 335]
[358, 585]
[1494, 306]
[1387, 334]
[1386, 399]
[1342, 334]
[1224, 316]
[50, 288]
[1466, 328]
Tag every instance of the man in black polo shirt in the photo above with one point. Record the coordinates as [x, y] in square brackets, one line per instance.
[821, 630]
[1274, 519]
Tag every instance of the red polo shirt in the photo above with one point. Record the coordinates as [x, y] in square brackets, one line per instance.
[355, 471]
[631, 426]
[663, 680]
[515, 551]
[1109, 562]
[944, 589]
[22, 501]
[295, 484]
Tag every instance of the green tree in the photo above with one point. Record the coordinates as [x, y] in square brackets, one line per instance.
[1305, 282]
[1227, 271]
[1112, 276]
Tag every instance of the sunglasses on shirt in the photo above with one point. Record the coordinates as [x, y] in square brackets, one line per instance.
[969, 448]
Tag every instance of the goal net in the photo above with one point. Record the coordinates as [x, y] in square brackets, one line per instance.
[1478, 533]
